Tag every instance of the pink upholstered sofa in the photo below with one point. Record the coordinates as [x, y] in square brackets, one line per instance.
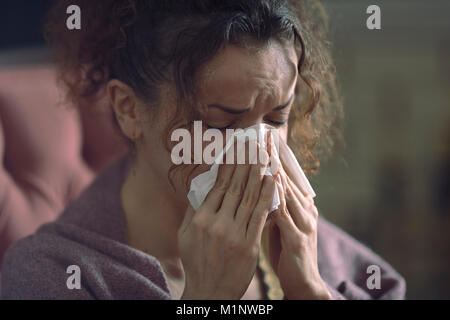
[49, 152]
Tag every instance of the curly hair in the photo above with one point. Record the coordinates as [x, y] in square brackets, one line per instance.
[145, 43]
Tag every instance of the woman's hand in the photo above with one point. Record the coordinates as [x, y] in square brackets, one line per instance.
[294, 257]
[219, 244]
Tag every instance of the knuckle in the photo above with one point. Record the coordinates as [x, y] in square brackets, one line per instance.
[234, 245]
[249, 251]
[199, 224]
[311, 227]
[310, 201]
[236, 188]
[315, 212]
[298, 242]
[217, 231]
[253, 251]
[221, 184]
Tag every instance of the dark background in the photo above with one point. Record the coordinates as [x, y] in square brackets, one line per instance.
[21, 23]
[390, 186]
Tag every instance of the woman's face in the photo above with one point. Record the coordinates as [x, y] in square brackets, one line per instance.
[237, 89]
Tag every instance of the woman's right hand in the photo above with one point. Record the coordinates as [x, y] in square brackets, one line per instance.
[219, 244]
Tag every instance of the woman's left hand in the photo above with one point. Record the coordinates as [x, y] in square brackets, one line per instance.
[295, 255]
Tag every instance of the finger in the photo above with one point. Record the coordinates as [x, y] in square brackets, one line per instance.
[274, 245]
[306, 201]
[215, 197]
[287, 227]
[300, 207]
[233, 195]
[289, 165]
[281, 191]
[288, 181]
[305, 218]
[259, 215]
[282, 217]
[252, 190]
[296, 211]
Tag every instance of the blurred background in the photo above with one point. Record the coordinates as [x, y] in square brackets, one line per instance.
[390, 186]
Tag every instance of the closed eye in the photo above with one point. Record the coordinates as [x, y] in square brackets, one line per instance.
[277, 112]
[277, 123]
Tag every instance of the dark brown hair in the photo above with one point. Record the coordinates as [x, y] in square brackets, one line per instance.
[145, 43]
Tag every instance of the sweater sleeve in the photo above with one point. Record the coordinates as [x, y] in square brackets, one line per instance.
[74, 264]
[30, 274]
[352, 270]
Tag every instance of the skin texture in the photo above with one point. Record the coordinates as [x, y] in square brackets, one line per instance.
[204, 253]
[293, 241]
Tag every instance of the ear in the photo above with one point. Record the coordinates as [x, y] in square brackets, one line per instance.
[126, 108]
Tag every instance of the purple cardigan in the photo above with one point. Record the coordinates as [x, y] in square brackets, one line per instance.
[91, 234]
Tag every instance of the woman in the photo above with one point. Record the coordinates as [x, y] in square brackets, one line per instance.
[133, 234]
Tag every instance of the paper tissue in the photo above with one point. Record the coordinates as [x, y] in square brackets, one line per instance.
[202, 184]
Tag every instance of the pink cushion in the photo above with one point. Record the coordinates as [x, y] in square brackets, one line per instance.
[49, 155]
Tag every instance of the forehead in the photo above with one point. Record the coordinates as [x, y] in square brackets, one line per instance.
[237, 74]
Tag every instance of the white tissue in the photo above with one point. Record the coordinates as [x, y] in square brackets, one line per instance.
[202, 184]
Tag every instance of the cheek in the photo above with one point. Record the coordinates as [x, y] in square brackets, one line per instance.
[186, 173]
[159, 160]
[155, 154]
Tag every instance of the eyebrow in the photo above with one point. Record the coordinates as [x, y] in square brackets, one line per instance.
[234, 111]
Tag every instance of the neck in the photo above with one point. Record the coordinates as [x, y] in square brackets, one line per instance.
[152, 214]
